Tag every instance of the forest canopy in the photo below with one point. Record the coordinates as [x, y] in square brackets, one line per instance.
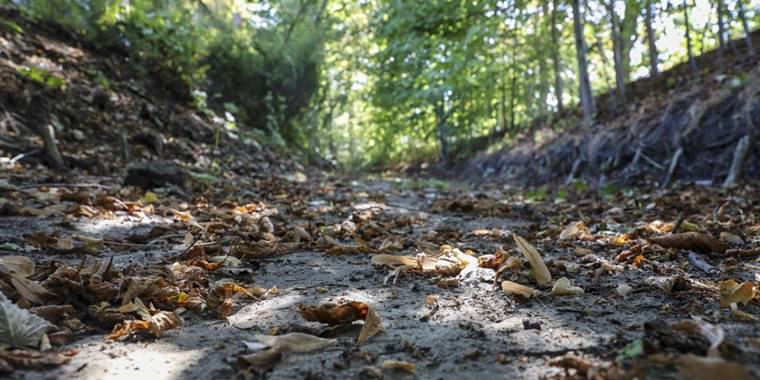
[362, 82]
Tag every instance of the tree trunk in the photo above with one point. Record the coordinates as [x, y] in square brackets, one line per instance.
[617, 52]
[442, 129]
[628, 35]
[587, 99]
[692, 62]
[745, 26]
[651, 41]
[721, 32]
[556, 59]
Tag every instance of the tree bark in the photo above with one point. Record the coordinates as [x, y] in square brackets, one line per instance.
[587, 99]
[617, 52]
[442, 129]
[692, 62]
[556, 59]
[721, 32]
[745, 26]
[651, 41]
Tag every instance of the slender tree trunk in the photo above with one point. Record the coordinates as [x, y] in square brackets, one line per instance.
[587, 99]
[745, 26]
[617, 52]
[442, 129]
[721, 32]
[692, 62]
[651, 41]
[556, 59]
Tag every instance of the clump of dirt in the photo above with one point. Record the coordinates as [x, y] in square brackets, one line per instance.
[679, 126]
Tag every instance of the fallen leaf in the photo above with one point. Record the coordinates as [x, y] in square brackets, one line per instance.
[20, 265]
[521, 290]
[563, 287]
[573, 231]
[398, 365]
[128, 328]
[19, 328]
[294, 342]
[35, 360]
[733, 292]
[372, 326]
[692, 241]
[335, 314]
[703, 368]
[540, 271]
[30, 290]
[163, 321]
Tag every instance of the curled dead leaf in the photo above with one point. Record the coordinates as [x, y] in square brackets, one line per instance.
[540, 271]
[372, 326]
[734, 292]
[335, 314]
[399, 365]
[518, 289]
[564, 287]
[692, 241]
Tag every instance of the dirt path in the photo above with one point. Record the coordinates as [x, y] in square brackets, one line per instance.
[471, 330]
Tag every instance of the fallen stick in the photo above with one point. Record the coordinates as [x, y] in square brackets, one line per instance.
[673, 165]
[573, 171]
[740, 154]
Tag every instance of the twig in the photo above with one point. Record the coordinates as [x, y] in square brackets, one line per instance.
[673, 165]
[740, 154]
[651, 161]
[74, 185]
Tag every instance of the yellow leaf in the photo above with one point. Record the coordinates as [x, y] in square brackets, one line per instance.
[540, 271]
[399, 365]
[521, 290]
[733, 292]
[372, 326]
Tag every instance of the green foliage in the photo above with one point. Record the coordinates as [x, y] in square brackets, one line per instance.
[11, 26]
[258, 62]
[100, 78]
[42, 76]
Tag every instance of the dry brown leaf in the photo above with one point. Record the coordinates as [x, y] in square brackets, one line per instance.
[127, 328]
[162, 321]
[335, 314]
[35, 360]
[372, 326]
[30, 290]
[573, 231]
[734, 292]
[220, 296]
[563, 287]
[19, 328]
[692, 241]
[703, 368]
[399, 365]
[520, 290]
[54, 313]
[20, 265]
[294, 342]
[540, 271]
